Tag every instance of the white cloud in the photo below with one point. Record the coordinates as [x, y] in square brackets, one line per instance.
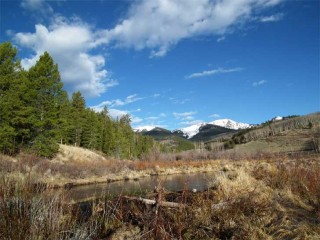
[162, 115]
[213, 72]
[157, 25]
[135, 119]
[39, 6]
[160, 24]
[272, 18]
[116, 113]
[255, 84]
[215, 115]
[69, 43]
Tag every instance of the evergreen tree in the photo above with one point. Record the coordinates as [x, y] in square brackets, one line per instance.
[107, 133]
[11, 87]
[77, 113]
[45, 89]
[36, 113]
[64, 125]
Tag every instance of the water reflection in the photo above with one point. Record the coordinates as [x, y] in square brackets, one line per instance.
[171, 182]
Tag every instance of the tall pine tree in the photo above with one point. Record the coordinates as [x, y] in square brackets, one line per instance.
[45, 88]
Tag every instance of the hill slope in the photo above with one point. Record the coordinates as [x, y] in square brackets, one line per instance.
[291, 134]
[209, 131]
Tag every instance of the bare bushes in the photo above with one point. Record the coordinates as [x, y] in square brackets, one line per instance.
[26, 213]
[190, 155]
[301, 177]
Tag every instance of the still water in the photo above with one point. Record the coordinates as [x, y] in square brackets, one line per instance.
[178, 182]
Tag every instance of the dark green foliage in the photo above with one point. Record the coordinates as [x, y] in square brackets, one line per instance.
[159, 133]
[229, 144]
[12, 114]
[210, 131]
[36, 114]
[169, 141]
[45, 145]
[45, 89]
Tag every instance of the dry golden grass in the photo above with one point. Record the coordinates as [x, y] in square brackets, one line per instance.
[77, 166]
[276, 198]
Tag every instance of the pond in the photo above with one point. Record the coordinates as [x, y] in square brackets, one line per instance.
[178, 182]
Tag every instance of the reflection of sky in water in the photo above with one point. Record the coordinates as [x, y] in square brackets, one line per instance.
[171, 182]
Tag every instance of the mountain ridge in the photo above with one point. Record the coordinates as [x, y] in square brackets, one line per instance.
[192, 130]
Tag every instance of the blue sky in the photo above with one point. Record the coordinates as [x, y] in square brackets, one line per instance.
[173, 63]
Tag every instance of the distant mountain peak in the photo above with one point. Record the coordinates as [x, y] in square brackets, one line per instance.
[231, 124]
[193, 130]
[143, 129]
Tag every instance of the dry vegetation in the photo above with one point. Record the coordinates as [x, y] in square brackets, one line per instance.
[77, 166]
[247, 199]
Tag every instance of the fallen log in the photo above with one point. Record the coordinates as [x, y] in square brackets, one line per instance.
[154, 202]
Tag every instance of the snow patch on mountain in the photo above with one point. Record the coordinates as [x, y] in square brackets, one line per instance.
[278, 118]
[228, 123]
[192, 130]
[143, 128]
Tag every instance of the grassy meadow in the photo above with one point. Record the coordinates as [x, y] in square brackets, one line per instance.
[271, 197]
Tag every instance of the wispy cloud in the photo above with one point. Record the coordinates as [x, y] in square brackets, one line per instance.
[214, 72]
[215, 115]
[152, 118]
[183, 114]
[189, 123]
[256, 84]
[135, 119]
[176, 100]
[115, 113]
[118, 102]
[273, 18]
[221, 39]
[37, 6]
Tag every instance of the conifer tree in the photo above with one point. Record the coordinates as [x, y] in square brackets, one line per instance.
[78, 112]
[35, 112]
[44, 89]
[11, 105]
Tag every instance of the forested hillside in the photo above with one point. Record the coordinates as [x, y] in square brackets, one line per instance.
[36, 114]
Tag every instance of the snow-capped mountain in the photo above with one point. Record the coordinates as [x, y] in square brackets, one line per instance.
[193, 130]
[143, 129]
[228, 123]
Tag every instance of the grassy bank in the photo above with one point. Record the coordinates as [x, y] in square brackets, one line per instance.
[77, 166]
[273, 199]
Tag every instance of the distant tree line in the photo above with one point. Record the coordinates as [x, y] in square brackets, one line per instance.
[36, 114]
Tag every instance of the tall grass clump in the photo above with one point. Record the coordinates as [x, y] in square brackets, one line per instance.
[28, 212]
